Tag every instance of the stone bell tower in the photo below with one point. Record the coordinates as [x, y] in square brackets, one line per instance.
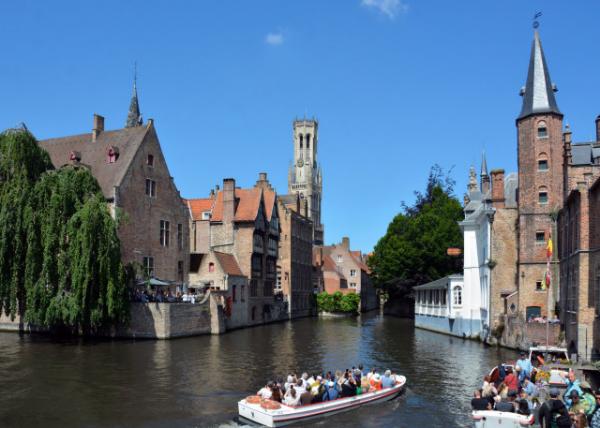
[305, 176]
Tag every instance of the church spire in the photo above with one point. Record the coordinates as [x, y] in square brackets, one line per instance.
[485, 178]
[134, 118]
[484, 171]
[538, 93]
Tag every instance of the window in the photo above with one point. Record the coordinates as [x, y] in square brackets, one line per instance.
[253, 289]
[180, 236]
[353, 285]
[542, 165]
[308, 141]
[340, 259]
[206, 215]
[150, 160]
[180, 270]
[457, 292]
[352, 272]
[542, 130]
[112, 154]
[301, 140]
[243, 294]
[233, 293]
[539, 286]
[532, 312]
[148, 265]
[211, 267]
[150, 188]
[543, 197]
[444, 297]
[540, 237]
[164, 233]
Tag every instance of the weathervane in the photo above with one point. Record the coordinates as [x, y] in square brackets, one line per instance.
[536, 23]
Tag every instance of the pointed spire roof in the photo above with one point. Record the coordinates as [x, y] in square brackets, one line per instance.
[538, 93]
[134, 117]
[483, 165]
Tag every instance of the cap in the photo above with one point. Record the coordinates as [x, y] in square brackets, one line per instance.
[585, 385]
[523, 353]
[554, 392]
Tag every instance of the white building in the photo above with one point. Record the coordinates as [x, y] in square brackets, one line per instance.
[460, 304]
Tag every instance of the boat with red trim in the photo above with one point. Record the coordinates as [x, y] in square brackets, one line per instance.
[272, 414]
[493, 419]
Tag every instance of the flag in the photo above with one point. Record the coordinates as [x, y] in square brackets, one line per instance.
[548, 278]
[549, 249]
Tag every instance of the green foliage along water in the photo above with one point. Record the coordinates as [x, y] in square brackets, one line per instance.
[338, 302]
[413, 250]
[60, 261]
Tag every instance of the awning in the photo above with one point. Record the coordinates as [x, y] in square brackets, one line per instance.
[154, 282]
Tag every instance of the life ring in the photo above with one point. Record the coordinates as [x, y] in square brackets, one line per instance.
[253, 399]
[270, 405]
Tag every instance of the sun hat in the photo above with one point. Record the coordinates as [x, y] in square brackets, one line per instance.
[585, 385]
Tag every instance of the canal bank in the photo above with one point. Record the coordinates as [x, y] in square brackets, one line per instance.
[197, 381]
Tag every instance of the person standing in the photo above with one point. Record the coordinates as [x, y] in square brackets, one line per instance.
[554, 412]
[525, 367]
[595, 418]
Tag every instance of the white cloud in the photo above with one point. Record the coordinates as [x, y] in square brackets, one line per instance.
[390, 8]
[274, 39]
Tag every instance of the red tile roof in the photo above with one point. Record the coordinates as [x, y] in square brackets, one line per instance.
[229, 264]
[198, 206]
[247, 204]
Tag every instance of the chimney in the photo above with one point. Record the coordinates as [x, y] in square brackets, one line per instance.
[228, 200]
[318, 256]
[498, 188]
[346, 243]
[98, 126]
[567, 134]
[598, 128]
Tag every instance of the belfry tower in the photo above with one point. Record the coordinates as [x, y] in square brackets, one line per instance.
[540, 193]
[305, 176]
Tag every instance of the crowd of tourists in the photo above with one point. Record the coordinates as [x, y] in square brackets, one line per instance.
[163, 296]
[316, 388]
[516, 391]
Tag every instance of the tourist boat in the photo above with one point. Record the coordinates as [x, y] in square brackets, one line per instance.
[494, 419]
[272, 414]
[554, 359]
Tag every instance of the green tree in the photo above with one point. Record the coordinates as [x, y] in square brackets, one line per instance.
[413, 250]
[350, 303]
[338, 302]
[71, 276]
[21, 164]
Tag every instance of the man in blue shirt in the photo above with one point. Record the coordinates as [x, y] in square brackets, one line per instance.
[386, 380]
[525, 366]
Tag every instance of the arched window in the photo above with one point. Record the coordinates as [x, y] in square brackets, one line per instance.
[542, 162]
[457, 295]
[542, 130]
[211, 267]
[543, 195]
[301, 140]
[308, 141]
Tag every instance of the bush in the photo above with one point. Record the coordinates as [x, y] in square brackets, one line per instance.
[338, 302]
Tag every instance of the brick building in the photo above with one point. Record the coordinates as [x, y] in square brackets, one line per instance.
[134, 177]
[242, 223]
[295, 256]
[338, 268]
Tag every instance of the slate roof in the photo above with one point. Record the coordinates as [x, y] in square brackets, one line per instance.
[228, 263]
[95, 154]
[441, 283]
[584, 153]
[538, 96]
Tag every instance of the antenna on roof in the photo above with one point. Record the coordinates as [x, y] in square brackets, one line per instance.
[536, 23]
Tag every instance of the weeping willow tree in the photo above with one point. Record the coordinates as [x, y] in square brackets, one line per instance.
[22, 164]
[71, 276]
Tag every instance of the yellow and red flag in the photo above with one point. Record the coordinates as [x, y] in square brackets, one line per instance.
[549, 248]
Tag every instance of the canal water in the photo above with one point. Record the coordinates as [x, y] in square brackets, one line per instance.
[196, 382]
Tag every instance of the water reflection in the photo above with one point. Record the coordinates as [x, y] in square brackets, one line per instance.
[196, 382]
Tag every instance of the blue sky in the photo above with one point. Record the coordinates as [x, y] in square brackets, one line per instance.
[397, 86]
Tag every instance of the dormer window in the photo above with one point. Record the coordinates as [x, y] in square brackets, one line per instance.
[150, 160]
[206, 215]
[75, 157]
[112, 154]
[542, 130]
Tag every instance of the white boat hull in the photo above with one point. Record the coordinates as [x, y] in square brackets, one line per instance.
[288, 415]
[494, 419]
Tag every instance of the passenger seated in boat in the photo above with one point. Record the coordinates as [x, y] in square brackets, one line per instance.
[364, 384]
[291, 380]
[507, 406]
[375, 382]
[291, 398]
[480, 403]
[276, 394]
[266, 391]
[306, 398]
[503, 391]
[300, 386]
[349, 386]
[511, 380]
[386, 380]
[331, 392]
[318, 392]
[304, 379]
[523, 407]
